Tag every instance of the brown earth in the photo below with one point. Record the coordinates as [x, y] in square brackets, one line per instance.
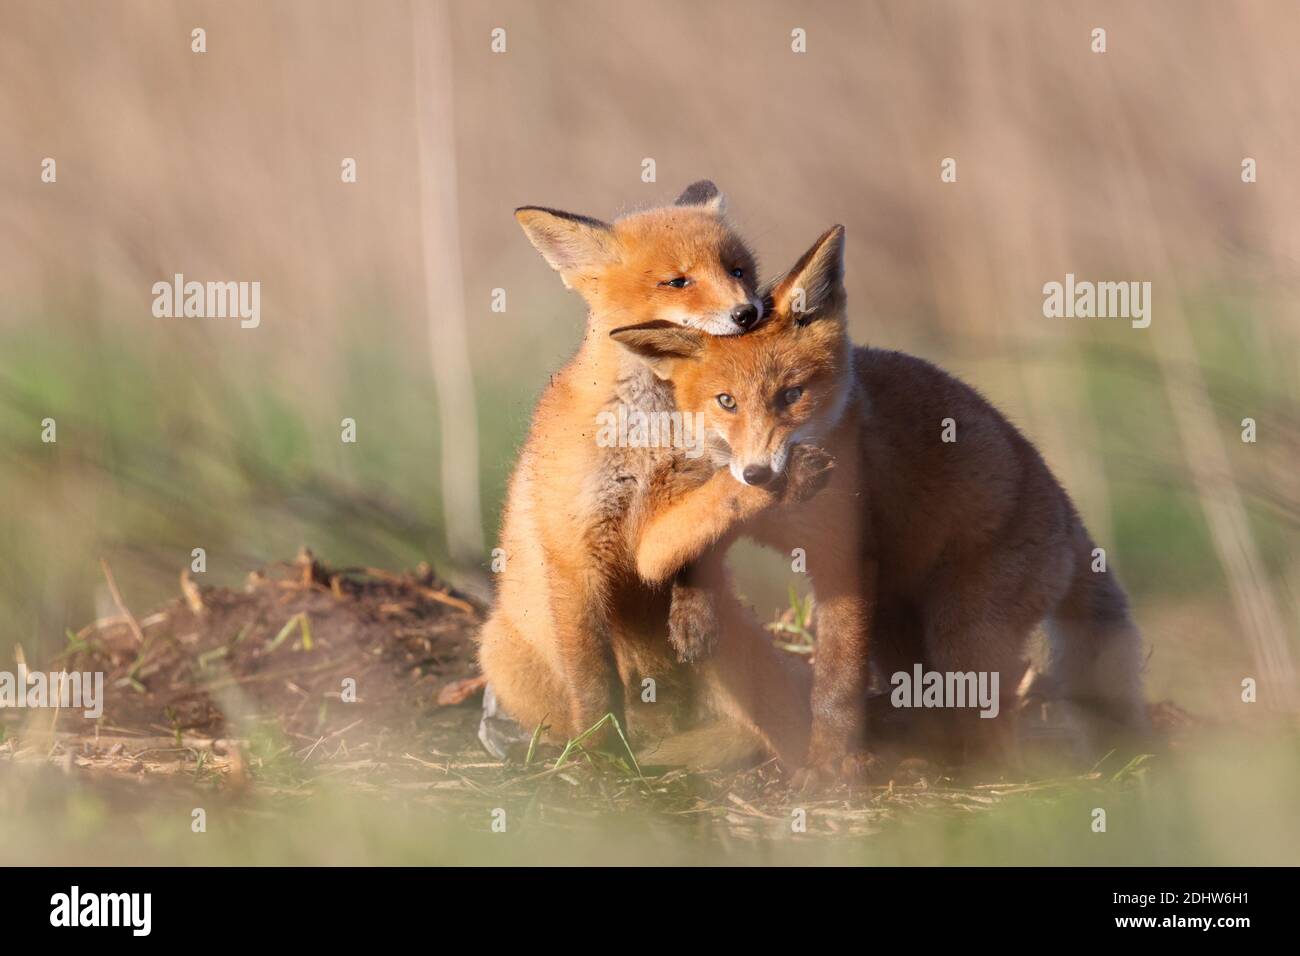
[244, 691]
[284, 653]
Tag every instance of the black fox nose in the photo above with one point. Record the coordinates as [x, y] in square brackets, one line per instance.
[745, 315]
[757, 474]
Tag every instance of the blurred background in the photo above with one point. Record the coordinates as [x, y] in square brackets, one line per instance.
[377, 295]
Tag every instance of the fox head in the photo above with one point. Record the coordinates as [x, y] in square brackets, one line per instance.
[681, 265]
[764, 392]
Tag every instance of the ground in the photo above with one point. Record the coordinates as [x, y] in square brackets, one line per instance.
[243, 702]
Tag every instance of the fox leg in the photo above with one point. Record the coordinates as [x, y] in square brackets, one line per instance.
[692, 612]
[583, 636]
[752, 699]
[897, 645]
[673, 501]
[752, 683]
[978, 618]
[845, 596]
[681, 525]
[527, 686]
[681, 531]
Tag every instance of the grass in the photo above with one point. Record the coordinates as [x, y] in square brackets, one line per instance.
[155, 458]
[1226, 802]
[795, 624]
[576, 744]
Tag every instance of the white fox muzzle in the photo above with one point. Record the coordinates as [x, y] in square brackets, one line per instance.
[761, 470]
[736, 321]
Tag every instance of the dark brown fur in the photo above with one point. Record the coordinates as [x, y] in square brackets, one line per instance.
[920, 550]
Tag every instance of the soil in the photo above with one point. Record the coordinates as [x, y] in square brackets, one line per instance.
[309, 651]
[369, 678]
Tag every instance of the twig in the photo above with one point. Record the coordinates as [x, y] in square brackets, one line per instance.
[103, 622]
[121, 605]
[341, 730]
[193, 597]
[434, 595]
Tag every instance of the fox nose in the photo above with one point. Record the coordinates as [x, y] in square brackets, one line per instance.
[744, 315]
[757, 474]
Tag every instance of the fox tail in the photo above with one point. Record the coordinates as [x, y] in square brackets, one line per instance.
[1096, 661]
[720, 745]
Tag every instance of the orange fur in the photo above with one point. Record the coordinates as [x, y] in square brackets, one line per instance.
[574, 632]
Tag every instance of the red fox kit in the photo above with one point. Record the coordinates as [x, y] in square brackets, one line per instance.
[574, 633]
[921, 550]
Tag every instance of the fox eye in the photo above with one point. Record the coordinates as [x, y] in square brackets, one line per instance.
[791, 395]
[727, 402]
[738, 273]
[681, 282]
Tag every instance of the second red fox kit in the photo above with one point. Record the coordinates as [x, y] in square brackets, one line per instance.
[941, 538]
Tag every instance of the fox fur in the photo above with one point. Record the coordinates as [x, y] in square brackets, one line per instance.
[947, 553]
[575, 633]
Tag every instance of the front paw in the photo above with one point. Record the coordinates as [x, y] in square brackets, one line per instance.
[680, 474]
[809, 470]
[822, 773]
[692, 623]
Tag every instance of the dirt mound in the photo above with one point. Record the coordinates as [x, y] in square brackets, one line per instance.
[319, 653]
[251, 693]
[312, 650]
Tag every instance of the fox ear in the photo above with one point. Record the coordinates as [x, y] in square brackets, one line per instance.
[816, 283]
[568, 242]
[703, 193]
[661, 345]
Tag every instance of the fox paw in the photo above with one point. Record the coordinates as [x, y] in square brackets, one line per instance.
[692, 623]
[682, 475]
[809, 470]
[856, 769]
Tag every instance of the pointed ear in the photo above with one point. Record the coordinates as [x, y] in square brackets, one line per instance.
[661, 345]
[568, 242]
[703, 193]
[816, 283]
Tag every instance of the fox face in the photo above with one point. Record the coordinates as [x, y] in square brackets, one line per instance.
[761, 394]
[682, 265]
